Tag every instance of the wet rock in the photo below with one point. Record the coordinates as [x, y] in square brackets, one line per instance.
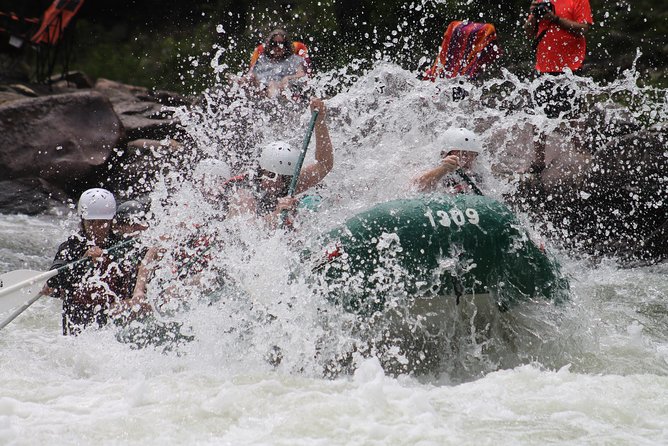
[132, 172]
[168, 98]
[141, 127]
[8, 96]
[618, 207]
[30, 196]
[66, 137]
[59, 138]
[140, 110]
[77, 79]
[9, 93]
[114, 89]
[23, 90]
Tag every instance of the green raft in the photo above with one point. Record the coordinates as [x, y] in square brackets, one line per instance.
[441, 247]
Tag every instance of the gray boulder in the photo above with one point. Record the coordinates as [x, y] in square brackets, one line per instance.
[62, 139]
[142, 111]
[29, 196]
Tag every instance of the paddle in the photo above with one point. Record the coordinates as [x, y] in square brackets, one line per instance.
[34, 294]
[302, 154]
[18, 286]
[300, 161]
[24, 286]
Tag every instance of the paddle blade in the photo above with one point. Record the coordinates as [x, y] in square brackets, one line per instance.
[33, 282]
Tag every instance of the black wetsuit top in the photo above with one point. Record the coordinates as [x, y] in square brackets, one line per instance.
[89, 288]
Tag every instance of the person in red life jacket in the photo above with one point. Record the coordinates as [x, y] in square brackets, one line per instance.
[558, 29]
[278, 63]
[263, 191]
[88, 289]
[462, 147]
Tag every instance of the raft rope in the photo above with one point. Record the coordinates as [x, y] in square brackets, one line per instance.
[469, 181]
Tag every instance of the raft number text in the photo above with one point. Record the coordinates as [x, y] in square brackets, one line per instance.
[453, 215]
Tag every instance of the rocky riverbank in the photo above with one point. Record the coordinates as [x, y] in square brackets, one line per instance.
[56, 142]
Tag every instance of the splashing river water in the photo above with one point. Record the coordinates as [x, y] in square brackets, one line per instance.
[594, 370]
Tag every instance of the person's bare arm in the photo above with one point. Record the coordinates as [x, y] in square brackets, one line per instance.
[312, 174]
[573, 27]
[299, 73]
[277, 217]
[531, 24]
[428, 180]
[137, 305]
[143, 272]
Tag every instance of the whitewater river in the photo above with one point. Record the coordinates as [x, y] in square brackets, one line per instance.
[591, 371]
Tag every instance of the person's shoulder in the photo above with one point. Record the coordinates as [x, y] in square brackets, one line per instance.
[74, 240]
[71, 249]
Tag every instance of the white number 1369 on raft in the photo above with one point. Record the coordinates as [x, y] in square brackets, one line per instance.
[454, 215]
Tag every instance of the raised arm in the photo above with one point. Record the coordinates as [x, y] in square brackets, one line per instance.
[531, 24]
[312, 174]
[427, 181]
[573, 27]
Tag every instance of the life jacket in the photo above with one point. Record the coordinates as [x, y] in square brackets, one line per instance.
[298, 48]
[467, 48]
[454, 184]
[88, 289]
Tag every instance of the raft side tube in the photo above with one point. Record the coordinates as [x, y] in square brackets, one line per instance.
[440, 246]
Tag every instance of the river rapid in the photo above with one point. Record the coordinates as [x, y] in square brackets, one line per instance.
[593, 370]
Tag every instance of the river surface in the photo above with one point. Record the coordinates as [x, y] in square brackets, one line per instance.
[591, 371]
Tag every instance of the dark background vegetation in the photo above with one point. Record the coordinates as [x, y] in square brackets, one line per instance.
[170, 44]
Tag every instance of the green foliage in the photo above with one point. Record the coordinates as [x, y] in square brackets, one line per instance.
[177, 53]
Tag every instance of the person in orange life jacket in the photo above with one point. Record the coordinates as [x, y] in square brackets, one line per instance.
[263, 192]
[277, 66]
[462, 147]
[88, 291]
[558, 29]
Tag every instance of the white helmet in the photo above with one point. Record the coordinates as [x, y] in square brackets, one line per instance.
[97, 204]
[279, 157]
[212, 169]
[459, 138]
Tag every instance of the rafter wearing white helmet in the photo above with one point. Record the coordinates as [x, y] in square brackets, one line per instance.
[97, 204]
[279, 157]
[459, 138]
